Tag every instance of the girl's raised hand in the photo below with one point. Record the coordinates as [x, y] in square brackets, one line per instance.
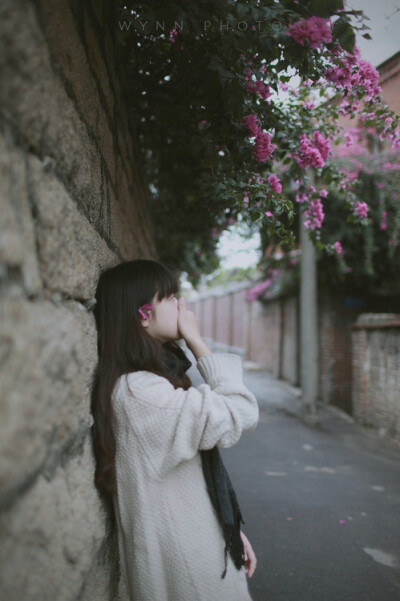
[187, 324]
[189, 330]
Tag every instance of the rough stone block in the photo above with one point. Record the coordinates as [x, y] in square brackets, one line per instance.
[71, 252]
[76, 70]
[17, 234]
[48, 356]
[36, 102]
[121, 231]
[96, 59]
[51, 535]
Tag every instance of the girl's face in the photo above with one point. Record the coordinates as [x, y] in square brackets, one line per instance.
[163, 320]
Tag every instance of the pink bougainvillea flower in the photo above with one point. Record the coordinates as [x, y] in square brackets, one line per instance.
[301, 197]
[275, 183]
[254, 293]
[264, 148]
[323, 193]
[352, 71]
[349, 140]
[260, 88]
[322, 144]
[173, 34]
[250, 121]
[361, 209]
[269, 214]
[314, 30]
[313, 153]
[314, 215]
[338, 248]
[144, 311]
[383, 225]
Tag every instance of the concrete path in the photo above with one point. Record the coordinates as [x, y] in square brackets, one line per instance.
[321, 504]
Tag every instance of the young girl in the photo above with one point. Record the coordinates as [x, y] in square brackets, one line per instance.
[156, 441]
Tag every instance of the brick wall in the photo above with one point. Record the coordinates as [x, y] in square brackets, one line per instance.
[222, 319]
[376, 372]
[390, 81]
[336, 316]
[265, 333]
[273, 337]
[72, 202]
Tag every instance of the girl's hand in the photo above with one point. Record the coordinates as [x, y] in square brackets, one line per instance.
[189, 331]
[250, 561]
[187, 324]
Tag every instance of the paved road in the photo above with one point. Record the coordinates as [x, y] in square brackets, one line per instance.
[321, 504]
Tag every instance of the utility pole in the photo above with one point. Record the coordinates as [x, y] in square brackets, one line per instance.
[308, 325]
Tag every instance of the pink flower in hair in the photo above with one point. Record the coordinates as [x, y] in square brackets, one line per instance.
[144, 311]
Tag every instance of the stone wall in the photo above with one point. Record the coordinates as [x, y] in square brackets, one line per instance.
[72, 202]
[376, 372]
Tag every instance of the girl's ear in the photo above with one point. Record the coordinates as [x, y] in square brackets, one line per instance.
[145, 322]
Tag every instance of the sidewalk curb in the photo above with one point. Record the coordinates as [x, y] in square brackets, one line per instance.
[339, 413]
[295, 392]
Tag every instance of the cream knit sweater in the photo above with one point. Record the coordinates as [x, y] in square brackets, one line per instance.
[170, 542]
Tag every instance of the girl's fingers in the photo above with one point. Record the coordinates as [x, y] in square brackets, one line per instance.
[252, 565]
[250, 557]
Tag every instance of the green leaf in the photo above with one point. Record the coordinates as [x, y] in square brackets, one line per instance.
[340, 26]
[325, 8]
[343, 32]
[242, 10]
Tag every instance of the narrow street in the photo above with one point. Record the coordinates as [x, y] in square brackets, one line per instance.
[321, 504]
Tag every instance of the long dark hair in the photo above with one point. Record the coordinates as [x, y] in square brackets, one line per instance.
[125, 346]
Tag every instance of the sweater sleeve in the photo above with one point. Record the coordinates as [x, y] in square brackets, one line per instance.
[172, 425]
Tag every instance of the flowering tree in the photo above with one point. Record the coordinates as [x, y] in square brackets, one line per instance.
[222, 126]
[366, 260]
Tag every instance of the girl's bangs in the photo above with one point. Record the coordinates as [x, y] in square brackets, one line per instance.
[167, 284]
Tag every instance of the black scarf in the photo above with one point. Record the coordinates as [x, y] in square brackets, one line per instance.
[219, 486]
